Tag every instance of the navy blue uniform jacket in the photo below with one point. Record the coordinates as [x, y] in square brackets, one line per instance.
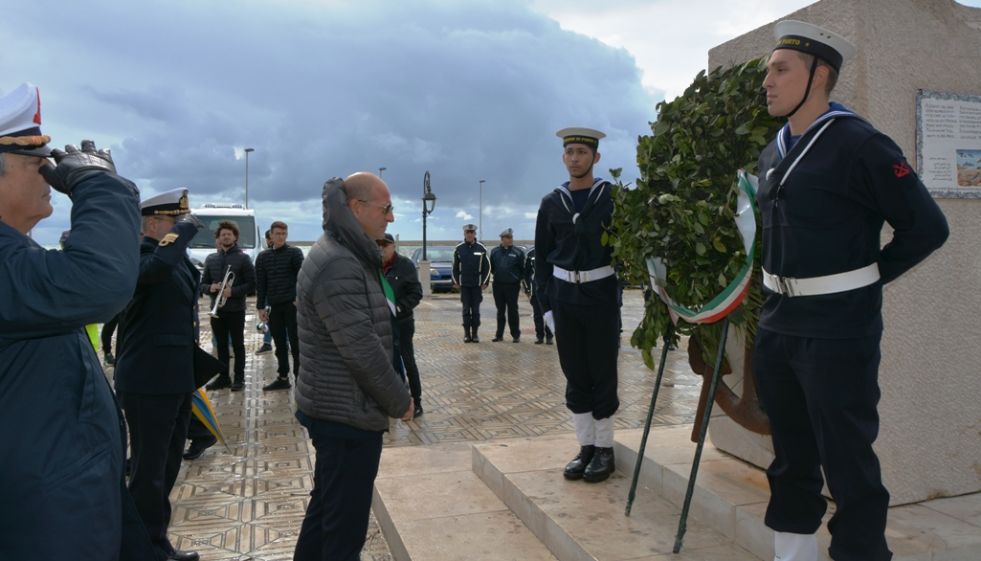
[471, 267]
[61, 449]
[157, 330]
[573, 241]
[827, 218]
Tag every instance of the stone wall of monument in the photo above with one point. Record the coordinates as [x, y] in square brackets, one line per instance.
[930, 441]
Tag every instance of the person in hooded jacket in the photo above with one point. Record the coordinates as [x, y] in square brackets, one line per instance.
[347, 389]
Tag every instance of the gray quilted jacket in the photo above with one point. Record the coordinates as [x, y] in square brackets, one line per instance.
[345, 327]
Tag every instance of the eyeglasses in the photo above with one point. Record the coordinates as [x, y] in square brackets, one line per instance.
[386, 208]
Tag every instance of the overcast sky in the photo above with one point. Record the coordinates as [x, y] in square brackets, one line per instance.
[467, 89]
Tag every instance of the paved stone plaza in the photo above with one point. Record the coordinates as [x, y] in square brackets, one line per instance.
[247, 502]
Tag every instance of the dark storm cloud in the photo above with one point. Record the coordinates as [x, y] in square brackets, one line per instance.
[467, 90]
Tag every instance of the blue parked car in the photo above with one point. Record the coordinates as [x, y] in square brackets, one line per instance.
[440, 266]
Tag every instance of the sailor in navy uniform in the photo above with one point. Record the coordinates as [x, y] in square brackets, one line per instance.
[829, 181]
[577, 289]
[471, 272]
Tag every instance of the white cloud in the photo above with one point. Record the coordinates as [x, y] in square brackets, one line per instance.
[464, 215]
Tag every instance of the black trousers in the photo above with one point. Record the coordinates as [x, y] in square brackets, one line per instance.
[471, 296]
[588, 342]
[336, 521]
[821, 396]
[157, 427]
[107, 331]
[282, 325]
[231, 326]
[541, 330]
[406, 330]
[506, 300]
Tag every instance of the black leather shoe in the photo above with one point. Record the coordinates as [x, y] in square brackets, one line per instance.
[467, 339]
[219, 384]
[198, 447]
[265, 348]
[110, 360]
[497, 339]
[238, 386]
[277, 384]
[475, 339]
[178, 555]
[539, 341]
[548, 341]
[417, 412]
[516, 340]
[575, 468]
[601, 466]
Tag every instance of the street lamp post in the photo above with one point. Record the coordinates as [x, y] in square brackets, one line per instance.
[428, 204]
[480, 219]
[247, 152]
[381, 170]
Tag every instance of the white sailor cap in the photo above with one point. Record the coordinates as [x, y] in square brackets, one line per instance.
[169, 203]
[580, 135]
[469, 228]
[814, 40]
[20, 123]
[507, 233]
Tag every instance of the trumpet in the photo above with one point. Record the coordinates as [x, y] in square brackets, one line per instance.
[228, 281]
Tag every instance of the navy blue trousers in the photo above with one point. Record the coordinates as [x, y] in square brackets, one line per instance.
[588, 339]
[506, 300]
[471, 296]
[821, 397]
[336, 521]
[157, 428]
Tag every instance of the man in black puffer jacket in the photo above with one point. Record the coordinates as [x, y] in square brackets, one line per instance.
[230, 321]
[347, 388]
[275, 272]
[402, 275]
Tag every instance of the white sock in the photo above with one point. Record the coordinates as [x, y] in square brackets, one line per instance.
[585, 428]
[604, 432]
[788, 546]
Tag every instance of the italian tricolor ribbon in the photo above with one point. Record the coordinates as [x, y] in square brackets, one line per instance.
[725, 302]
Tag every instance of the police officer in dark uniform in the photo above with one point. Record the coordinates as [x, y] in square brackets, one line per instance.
[154, 367]
[829, 181]
[577, 288]
[508, 264]
[471, 271]
[543, 333]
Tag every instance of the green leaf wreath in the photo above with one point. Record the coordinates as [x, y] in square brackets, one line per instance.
[683, 206]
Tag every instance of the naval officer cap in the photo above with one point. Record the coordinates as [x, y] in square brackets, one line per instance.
[580, 135]
[507, 233]
[170, 203]
[20, 123]
[469, 228]
[813, 40]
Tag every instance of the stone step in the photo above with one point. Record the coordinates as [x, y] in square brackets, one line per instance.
[507, 499]
[431, 507]
[579, 521]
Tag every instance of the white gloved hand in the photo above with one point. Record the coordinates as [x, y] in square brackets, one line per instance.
[549, 321]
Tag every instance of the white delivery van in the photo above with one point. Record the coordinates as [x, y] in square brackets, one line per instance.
[212, 214]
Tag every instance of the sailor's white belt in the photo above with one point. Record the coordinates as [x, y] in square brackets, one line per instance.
[579, 277]
[828, 284]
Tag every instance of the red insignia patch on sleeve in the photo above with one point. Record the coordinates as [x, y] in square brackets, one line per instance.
[901, 169]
